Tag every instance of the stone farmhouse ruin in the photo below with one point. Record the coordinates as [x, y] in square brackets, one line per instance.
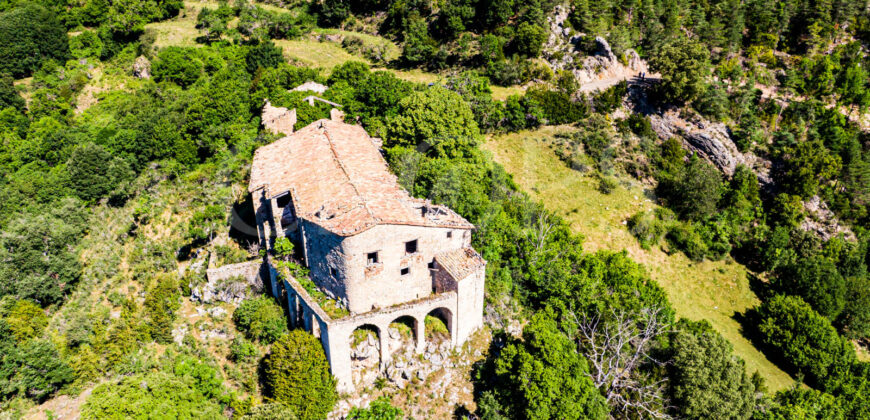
[373, 251]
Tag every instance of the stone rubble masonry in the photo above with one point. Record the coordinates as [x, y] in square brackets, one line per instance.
[377, 251]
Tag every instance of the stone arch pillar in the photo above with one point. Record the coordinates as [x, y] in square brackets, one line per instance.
[384, 338]
[420, 329]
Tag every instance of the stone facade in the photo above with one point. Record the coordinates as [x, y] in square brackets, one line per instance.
[377, 252]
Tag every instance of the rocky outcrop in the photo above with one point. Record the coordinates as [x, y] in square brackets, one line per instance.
[562, 53]
[822, 221]
[142, 67]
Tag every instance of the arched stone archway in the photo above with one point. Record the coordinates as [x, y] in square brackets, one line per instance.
[366, 353]
[439, 325]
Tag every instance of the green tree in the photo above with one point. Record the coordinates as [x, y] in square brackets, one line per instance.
[297, 374]
[30, 35]
[707, 379]
[38, 259]
[430, 117]
[803, 339]
[94, 172]
[817, 281]
[9, 97]
[855, 318]
[802, 403]
[807, 165]
[544, 377]
[177, 65]
[263, 55]
[692, 191]
[260, 318]
[684, 65]
[418, 46]
[529, 40]
[33, 369]
[161, 303]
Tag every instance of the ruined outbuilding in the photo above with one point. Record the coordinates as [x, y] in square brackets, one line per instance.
[373, 250]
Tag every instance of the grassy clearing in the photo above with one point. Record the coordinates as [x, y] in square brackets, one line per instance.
[711, 290]
[314, 53]
[500, 93]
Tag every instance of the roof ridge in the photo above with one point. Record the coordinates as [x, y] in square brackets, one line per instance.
[346, 175]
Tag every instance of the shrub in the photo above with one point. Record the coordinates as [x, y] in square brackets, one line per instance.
[260, 318]
[243, 351]
[271, 411]
[86, 45]
[379, 409]
[805, 341]
[647, 228]
[33, 369]
[177, 65]
[297, 374]
[684, 237]
[9, 97]
[26, 320]
[151, 395]
[802, 403]
[29, 35]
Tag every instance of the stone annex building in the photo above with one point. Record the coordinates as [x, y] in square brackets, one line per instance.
[371, 247]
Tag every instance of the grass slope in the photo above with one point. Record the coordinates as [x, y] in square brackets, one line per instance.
[711, 290]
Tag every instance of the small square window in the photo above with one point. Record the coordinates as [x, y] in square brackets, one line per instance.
[372, 258]
[432, 265]
[405, 271]
[449, 233]
[411, 247]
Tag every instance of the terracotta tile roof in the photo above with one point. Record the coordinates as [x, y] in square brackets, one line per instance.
[338, 179]
[460, 262]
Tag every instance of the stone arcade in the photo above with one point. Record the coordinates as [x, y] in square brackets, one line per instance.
[371, 247]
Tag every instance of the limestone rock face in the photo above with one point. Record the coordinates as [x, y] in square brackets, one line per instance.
[142, 67]
[562, 53]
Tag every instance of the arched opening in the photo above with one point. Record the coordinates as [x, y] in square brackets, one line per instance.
[401, 335]
[439, 325]
[365, 354]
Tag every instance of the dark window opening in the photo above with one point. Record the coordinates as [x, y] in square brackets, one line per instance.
[405, 271]
[423, 211]
[411, 247]
[283, 200]
[372, 258]
[449, 233]
[432, 265]
[332, 271]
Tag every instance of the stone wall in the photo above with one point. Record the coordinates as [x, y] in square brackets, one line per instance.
[230, 283]
[372, 286]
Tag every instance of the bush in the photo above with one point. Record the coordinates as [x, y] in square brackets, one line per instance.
[29, 35]
[803, 339]
[379, 409]
[802, 403]
[260, 318]
[151, 395]
[684, 237]
[33, 369]
[647, 228]
[270, 411]
[26, 320]
[86, 45]
[243, 351]
[177, 65]
[297, 374]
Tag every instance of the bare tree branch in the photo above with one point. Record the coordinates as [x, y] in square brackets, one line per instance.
[617, 347]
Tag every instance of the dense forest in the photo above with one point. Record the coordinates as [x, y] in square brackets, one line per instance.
[117, 177]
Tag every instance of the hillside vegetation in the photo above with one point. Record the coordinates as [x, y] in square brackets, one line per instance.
[691, 243]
